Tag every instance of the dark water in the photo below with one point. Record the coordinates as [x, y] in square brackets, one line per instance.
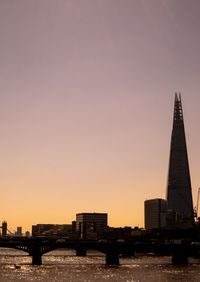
[63, 266]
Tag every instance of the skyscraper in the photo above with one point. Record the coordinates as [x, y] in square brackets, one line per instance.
[179, 194]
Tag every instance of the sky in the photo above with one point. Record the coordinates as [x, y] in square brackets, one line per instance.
[86, 105]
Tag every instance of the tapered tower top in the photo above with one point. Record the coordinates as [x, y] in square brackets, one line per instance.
[179, 195]
[178, 112]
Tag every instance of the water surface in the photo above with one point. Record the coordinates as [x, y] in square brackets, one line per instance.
[62, 265]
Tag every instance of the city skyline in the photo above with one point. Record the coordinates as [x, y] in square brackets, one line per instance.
[86, 105]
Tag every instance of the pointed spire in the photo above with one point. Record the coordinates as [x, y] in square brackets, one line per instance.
[179, 195]
[178, 112]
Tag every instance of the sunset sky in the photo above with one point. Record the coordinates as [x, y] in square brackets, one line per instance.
[86, 105]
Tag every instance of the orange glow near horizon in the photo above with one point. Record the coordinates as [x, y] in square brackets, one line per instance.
[86, 106]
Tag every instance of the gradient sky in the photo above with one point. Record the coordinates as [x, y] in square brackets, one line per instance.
[86, 103]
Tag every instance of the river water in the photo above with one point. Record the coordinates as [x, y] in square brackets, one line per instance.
[62, 265]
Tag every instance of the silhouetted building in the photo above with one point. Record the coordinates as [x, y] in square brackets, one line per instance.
[91, 225]
[27, 234]
[19, 231]
[179, 195]
[4, 228]
[118, 233]
[74, 233]
[123, 233]
[155, 213]
[52, 230]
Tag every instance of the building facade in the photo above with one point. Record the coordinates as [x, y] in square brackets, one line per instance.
[19, 231]
[53, 230]
[179, 194]
[91, 225]
[155, 213]
[4, 229]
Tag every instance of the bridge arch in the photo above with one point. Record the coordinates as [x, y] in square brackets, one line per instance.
[18, 248]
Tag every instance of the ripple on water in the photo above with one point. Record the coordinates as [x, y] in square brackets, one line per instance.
[92, 268]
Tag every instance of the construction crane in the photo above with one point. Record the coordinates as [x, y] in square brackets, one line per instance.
[197, 205]
[198, 201]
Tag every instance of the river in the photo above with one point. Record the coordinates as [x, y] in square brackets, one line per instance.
[62, 265]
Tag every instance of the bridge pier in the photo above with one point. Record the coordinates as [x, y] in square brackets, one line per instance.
[80, 252]
[179, 255]
[35, 251]
[112, 258]
[128, 252]
[36, 259]
[179, 259]
[112, 254]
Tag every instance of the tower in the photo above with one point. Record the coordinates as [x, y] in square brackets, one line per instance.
[179, 194]
[4, 229]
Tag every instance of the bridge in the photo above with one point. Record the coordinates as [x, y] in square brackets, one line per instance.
[36, 247]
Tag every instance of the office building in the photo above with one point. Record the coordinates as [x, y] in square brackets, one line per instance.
[91, 225]
[155, 213]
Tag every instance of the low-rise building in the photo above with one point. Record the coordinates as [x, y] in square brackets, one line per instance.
[52, 230]
[91, 225]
